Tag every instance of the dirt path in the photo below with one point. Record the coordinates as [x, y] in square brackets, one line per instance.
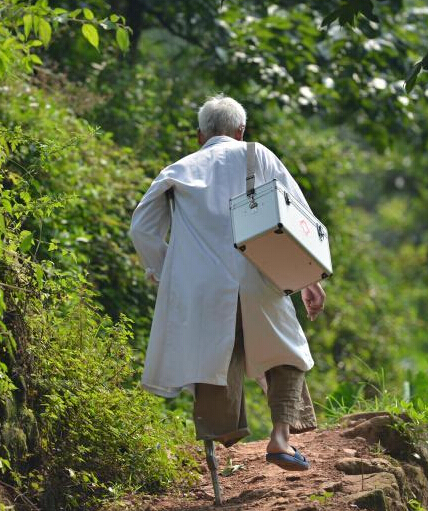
[349, 470]
[257, 485]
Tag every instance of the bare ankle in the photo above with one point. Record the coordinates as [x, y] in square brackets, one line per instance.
[279, 439]
[281, 430]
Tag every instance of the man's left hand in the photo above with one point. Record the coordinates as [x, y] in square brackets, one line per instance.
[313, 298]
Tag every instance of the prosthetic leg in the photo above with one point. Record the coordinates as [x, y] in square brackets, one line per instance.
[212, 465]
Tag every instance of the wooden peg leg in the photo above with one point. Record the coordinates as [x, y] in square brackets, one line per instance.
[213, 465]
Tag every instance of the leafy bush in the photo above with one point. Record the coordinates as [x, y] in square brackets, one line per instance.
[66, 156]
[75, 428]
[100, 433]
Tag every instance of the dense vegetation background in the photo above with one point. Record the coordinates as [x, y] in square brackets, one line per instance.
[96, 98]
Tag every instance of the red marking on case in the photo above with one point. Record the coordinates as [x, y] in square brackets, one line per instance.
[305, 227]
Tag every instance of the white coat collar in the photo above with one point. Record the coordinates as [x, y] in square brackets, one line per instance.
[217, 139]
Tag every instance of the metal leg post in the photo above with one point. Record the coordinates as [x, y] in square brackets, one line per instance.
[212, 465]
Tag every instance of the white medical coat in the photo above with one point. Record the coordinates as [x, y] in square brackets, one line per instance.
[200, 274]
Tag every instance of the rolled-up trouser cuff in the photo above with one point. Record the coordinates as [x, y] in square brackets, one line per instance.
[289, 399]
[227, 439]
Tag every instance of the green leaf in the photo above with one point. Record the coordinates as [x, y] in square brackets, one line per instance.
[91, 34]
[75, 13]
[25, 196]
[425, 62]
[328, 20]
[115, 18]
[347, 15]
[4, 464]
[36, 59]
[89, 15]
[34, 42]
[122, 38]
[2, 302]
[367, 9]
[8, 42]
[7, 206]
[2, 224]
[411, 79]
[36, 22]
[39, 276]
[231, 468]
[45, 31]
[26, 241]
[28, 23]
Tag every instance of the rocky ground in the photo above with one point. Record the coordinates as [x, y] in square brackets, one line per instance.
[350, 469]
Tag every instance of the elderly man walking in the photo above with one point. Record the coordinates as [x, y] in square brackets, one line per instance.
[216, 315]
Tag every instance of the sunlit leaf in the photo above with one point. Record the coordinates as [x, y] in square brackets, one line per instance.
[89, 15]
[34, 43]
[45, 31]
[7, 206]
[28, 23]
[36, 22]
[91, 34]
[39, 276]
[36, 59]
[122, 38]
[26, 238]
[75, 13]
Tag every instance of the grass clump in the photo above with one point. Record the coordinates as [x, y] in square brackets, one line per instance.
[410, 410]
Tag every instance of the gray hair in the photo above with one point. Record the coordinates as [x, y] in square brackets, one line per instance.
[221, 115]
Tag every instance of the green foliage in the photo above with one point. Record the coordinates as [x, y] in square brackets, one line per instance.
[412, 419]
[26, 26]
[373, 394]
[322, 497]
[100, 435]
[230, 468]
[65, 156]
[415, 505]
[348, 11]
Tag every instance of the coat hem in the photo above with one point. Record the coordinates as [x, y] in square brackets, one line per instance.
[170, 392]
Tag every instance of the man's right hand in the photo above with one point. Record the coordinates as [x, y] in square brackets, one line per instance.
[313, 298]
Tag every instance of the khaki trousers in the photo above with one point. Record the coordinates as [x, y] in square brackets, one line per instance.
[219, 411]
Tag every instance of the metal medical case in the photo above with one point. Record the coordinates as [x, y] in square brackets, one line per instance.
[279, 235]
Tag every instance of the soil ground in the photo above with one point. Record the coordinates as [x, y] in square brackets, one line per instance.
[257, 485]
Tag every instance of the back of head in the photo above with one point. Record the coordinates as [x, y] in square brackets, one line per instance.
[221, 115]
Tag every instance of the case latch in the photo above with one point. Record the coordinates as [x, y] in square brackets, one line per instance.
[321, 232]
[253, 203]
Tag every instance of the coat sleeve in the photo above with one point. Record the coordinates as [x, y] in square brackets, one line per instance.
[149, 227]
[273, 168]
